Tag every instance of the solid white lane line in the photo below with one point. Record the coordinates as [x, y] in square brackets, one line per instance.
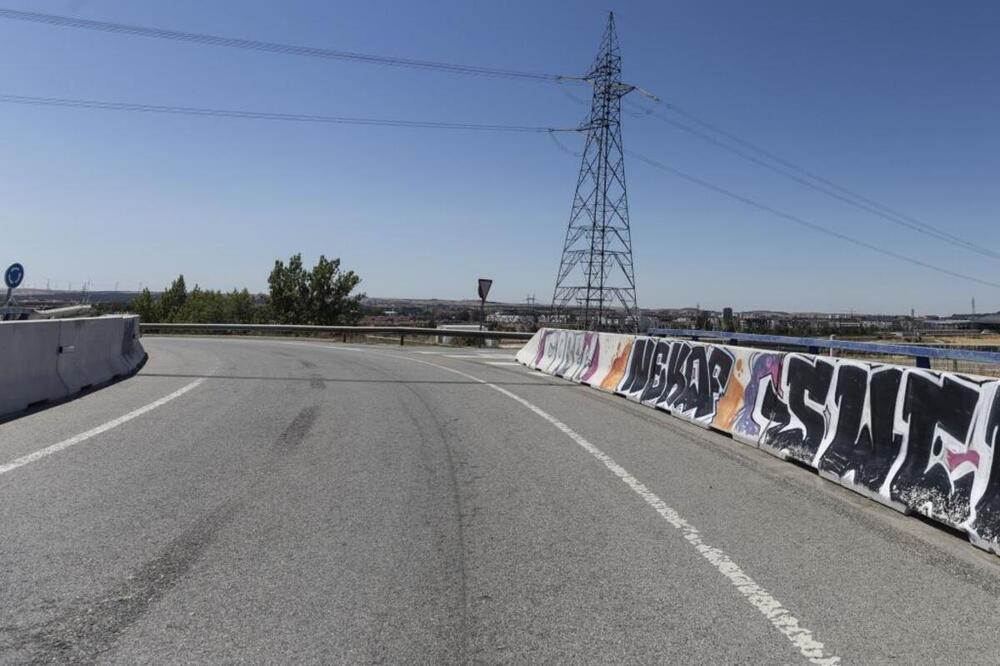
[84, 436]
[758, 597]
[502, 363]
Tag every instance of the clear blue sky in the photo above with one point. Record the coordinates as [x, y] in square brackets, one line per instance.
[896, 99]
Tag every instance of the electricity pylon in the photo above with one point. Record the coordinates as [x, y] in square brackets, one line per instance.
[596, 272]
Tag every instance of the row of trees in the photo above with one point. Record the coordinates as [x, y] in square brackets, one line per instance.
[321, 296]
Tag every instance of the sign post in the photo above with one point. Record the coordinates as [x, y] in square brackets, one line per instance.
[484, 291]
[12, 277]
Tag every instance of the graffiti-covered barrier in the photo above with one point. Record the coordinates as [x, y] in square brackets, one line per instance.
[52, 359]
[917, 440]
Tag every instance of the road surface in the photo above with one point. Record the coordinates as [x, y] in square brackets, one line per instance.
[281, 501]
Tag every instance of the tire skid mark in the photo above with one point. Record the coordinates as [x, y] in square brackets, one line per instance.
[85, 630]
[779, 617]
[458, 555]
[88, 628]
[297, 430]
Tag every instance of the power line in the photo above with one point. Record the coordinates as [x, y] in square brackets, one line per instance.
[805, 223]
[275, 47]
[814, 181]
[263, 115]
[230, 113]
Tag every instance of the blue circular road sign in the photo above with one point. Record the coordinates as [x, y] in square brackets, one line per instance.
[14, 275]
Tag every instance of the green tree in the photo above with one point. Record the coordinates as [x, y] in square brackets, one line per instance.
[146, 307]
[321, 296]
[173, 299]
[203, 307]
[241, 308]
[330, 301]
[289, 291]
[297, 296]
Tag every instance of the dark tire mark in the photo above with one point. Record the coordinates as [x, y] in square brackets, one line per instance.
[90, 627]
[458, 546]
[297, 429]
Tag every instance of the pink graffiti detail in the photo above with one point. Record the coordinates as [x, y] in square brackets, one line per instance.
[956, 459]
[763, 366]
[595, 356]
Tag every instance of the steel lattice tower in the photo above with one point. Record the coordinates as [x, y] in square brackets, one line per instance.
[596, 272]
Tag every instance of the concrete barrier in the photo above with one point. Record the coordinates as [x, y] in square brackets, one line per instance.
[51, 360]
[917, 440]
[29, 364]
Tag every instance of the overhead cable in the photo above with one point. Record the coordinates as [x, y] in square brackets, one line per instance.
[264, 115]
[813, 181]
[804, 222]
[275, 47]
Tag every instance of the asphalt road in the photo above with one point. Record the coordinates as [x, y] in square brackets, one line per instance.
[292, 502]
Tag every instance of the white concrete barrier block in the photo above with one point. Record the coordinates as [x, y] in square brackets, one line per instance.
[48, 360]
[29, 352]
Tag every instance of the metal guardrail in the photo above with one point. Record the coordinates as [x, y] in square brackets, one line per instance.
[343, 331]
[923, 355]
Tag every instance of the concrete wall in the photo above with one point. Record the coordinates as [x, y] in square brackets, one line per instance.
[920, 441]
[47, 360]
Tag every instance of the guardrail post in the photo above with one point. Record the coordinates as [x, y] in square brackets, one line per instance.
[345, 337]
[401, 336]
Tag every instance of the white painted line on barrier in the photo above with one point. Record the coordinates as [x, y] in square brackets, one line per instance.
[758, 597]
[84, 436]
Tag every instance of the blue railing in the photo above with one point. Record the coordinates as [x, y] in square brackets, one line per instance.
[923, 355]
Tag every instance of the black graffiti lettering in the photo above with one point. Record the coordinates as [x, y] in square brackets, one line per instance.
[987, 523]
[927, 408]
[807, 376]
[849, 446]
[640, 365]
[773, 412]
[867, 449]
[720, 367]
[658, 373]
[697, 393]
[885, 442]
[677, 377]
